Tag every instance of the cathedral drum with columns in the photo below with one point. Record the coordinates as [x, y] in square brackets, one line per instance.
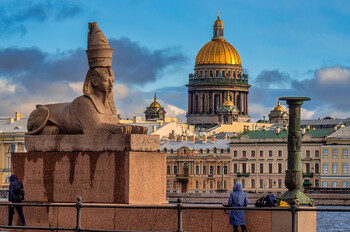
[217, 78]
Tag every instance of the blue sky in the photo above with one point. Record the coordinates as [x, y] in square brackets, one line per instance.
[288, 48]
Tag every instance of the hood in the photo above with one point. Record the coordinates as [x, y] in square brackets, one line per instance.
[13, 178]
[238, 187]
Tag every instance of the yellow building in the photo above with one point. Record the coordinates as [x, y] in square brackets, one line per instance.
[335, 160]
[11, 140]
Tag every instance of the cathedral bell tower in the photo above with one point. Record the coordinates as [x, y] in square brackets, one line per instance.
[217, 77]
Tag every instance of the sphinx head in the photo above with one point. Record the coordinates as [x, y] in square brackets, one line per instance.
[99, 79]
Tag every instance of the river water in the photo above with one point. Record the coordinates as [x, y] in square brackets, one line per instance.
[333, 221]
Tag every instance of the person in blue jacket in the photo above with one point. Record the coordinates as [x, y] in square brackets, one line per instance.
[14, 185]
[238, 198]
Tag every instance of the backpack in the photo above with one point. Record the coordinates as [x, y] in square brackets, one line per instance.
[261, 202]
[19, 192]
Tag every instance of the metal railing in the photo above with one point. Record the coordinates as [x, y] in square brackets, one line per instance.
[218, 81]
[179, 207]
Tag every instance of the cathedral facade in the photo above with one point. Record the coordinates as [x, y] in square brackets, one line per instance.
[217, 78]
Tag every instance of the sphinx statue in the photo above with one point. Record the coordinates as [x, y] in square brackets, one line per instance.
[95, 111]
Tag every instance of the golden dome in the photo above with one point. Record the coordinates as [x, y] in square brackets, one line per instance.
[218, 52]
[155, 103]
[218, 22]
[228, 102]
[278, 107]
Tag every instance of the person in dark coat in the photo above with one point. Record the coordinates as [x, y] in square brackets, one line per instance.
[238, 198]
[14, 185]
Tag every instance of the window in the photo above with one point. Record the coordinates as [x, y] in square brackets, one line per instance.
[253, 183]
[204, 170]
[225, 185]
[215, 150]
[168, 170]
[334, 184]
[168, 184]
[197, 185]
[261, 168]
[211, 73]
[222, 150]
[253, 153]
[279, 153]
[317, 168]
[234, 181]
[235, 168]
[279, 168]
[211, 172]
[270, 153]
[197, 170]
[324, 184]
[325, 169]
[234, 153]
[345, 153]
[270, 168]
[171, 151]
[244, 168]
[345, 168]
[261, 153]
[208, 150]
[218, 170]
[243, 183]
[228, 73]
[211, 184]
[204, 184]
[218, 185]
[317, 153]
[270, 184]
[244, 153]
[217, 73]
[334, 169]
[201, 151]
[261, 183]
[325, 153]
[334, 153]
[225, 170]
[316, 183]
[174, 184]
[279, 183]
[344, 184]
[252, 168]
[307, 168]
[307, 153]
[165, 150]
[228, 150]
[175, 170]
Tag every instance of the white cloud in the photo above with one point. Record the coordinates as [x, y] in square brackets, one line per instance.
[307, 114]
[334, 74]
[5, 87]
[121, 91]
[173, 111]
[77, 87]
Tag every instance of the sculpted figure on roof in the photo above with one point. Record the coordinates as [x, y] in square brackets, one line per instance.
[95, 111]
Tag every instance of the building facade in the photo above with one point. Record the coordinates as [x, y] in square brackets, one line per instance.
[335, 160]
[11, 140]
[217, 77]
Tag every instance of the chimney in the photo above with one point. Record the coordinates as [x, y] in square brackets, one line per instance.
[212, 139]
[185, 138]
[17, 116]
[11, 120]
[172, 136]
[136, 119]
[204, 138]
[278, 130]
[154, 129]
[192, 139]
[160, 124]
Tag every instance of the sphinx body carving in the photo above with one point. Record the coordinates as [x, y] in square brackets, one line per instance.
[95, 111]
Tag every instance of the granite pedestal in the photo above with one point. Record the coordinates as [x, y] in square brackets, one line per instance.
[121, 169]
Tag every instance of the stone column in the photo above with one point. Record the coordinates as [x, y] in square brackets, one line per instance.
[189, 103]
[220, 102]
[246, 102]
[205, 103]
[212, 101]
[294, 176]
[193, 102]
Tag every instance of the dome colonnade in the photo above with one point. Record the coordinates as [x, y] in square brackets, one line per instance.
[217, 75]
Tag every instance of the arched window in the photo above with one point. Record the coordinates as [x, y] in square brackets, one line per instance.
[228, 150]
[211, 184]
[215, 150]
[171, 151]
[165, 150]
[204, 184]
[201, 151]
[208, 150]
[222, 150]
[185, 151]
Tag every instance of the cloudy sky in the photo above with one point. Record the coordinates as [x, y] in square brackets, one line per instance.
[294, 48]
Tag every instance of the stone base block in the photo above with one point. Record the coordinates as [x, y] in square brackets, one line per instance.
[124, 177]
